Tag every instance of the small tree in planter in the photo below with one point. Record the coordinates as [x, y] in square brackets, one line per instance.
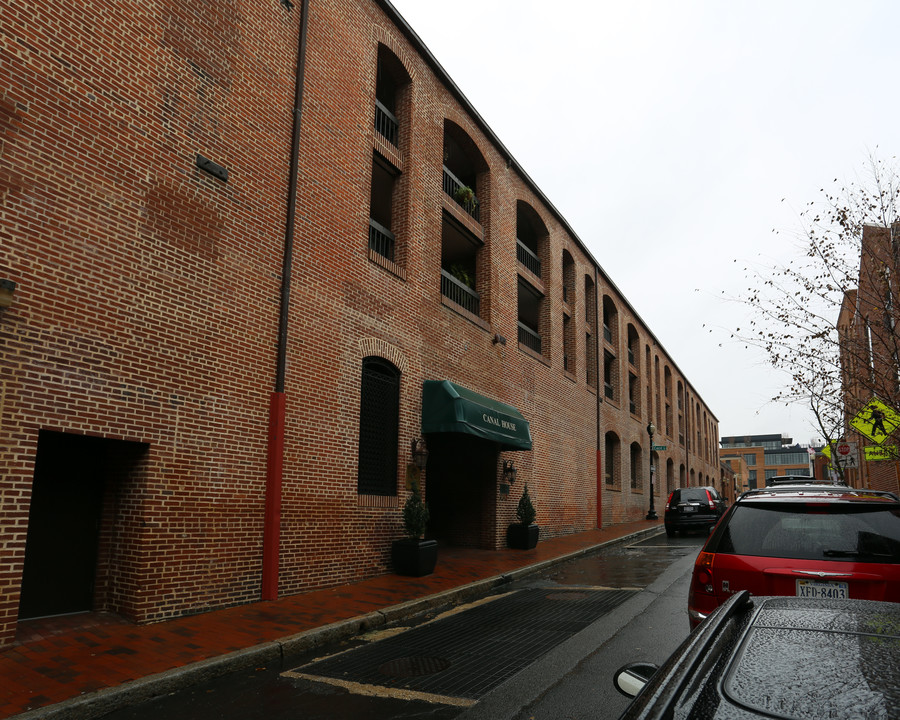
[413, 555]
[524, 534]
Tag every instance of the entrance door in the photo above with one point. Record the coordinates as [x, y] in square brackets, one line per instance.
[461, 489]
[63, 526]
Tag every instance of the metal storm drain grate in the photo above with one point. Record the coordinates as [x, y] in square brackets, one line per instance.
[464, 656]
[413, 666]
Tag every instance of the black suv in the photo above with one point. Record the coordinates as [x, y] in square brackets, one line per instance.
[694, 508]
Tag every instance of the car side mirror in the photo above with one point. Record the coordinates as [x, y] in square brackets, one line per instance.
[632, 678]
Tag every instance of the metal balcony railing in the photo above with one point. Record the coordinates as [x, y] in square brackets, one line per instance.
[451, 185]
[460, 293]
[607, 333]
[525, 256]
[529, 338]
[386, 124]
[381, 240]
[609, 391]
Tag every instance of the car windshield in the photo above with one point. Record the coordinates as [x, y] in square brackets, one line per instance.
[834, 531]
[693, 495]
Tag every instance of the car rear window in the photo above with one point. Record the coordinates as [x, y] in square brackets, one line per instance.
[836, 531]
[691, 495]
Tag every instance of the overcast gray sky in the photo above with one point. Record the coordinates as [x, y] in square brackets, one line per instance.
[675, 136]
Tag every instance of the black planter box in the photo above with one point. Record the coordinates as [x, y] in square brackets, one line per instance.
[522, 537]
[414, 557]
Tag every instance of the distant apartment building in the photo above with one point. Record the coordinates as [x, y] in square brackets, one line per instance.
[758, 457]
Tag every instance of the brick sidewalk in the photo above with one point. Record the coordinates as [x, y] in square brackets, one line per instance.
[53, 662]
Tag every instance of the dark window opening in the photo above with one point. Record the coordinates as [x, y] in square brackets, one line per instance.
[379, 420]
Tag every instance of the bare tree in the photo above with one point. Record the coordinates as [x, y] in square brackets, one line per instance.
[828, 317]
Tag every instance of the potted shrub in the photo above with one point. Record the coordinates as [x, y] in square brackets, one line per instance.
[413, 555]
[465, 196]
[464, 274]
[523, 535]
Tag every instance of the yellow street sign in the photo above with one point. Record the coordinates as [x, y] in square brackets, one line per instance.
[876, 421]
[882, 452]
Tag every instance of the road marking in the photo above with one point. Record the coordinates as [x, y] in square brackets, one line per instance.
[383, 692]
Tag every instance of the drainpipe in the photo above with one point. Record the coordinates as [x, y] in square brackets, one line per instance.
[598, 346]
[275, 451]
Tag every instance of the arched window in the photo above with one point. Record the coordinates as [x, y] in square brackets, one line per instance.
[636, 471]
[379, 421]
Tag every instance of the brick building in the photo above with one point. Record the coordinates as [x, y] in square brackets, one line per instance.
[223, 329]
[870, 357]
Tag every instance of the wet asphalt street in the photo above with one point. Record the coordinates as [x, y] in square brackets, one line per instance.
[543, 647]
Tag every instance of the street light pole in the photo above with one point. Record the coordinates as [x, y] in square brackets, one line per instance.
[652, 514]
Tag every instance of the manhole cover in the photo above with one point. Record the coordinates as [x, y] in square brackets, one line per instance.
[567, 596]
[413, 666]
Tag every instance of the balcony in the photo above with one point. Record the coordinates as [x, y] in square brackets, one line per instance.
[525, 256]
[607, 333]
[452, 186]
[460, 293]
[381, 240]
[609, 391]
[386, 124]
[529, 338]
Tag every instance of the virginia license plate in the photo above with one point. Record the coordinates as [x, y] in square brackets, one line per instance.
[820, 589]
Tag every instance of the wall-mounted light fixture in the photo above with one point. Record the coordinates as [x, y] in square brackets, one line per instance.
[419, 453]
[499, 339]
[7, 291]
[509, 471]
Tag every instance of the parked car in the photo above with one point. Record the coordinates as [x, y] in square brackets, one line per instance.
[792, 480]
[694, 508]
[815, 541]
[776, 657]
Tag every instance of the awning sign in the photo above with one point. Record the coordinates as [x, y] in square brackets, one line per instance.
[447, 407]
[876, 421]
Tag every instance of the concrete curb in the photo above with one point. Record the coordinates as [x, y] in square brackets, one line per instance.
[281, 652]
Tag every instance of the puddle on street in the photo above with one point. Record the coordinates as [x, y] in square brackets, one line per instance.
[625, 566]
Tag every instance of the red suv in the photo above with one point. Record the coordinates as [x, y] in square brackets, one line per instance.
[818, 541]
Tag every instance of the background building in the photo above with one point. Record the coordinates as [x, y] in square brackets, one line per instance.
[764, 456]
[870, 359]
[250, 256]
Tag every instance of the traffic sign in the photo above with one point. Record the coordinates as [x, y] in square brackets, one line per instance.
[876, 421]
[846, 454]
[882, 452]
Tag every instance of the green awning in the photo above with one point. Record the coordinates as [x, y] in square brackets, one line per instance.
[447, 407]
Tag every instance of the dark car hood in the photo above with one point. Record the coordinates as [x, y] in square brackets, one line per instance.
[830, 659]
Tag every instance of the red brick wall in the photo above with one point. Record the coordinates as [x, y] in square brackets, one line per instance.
[148, 296]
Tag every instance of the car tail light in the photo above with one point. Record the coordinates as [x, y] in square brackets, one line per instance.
[712, 503]
[702, 599]
[669, 501]
[703, 573]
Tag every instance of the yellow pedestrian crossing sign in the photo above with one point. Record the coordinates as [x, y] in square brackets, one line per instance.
[876, 421]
